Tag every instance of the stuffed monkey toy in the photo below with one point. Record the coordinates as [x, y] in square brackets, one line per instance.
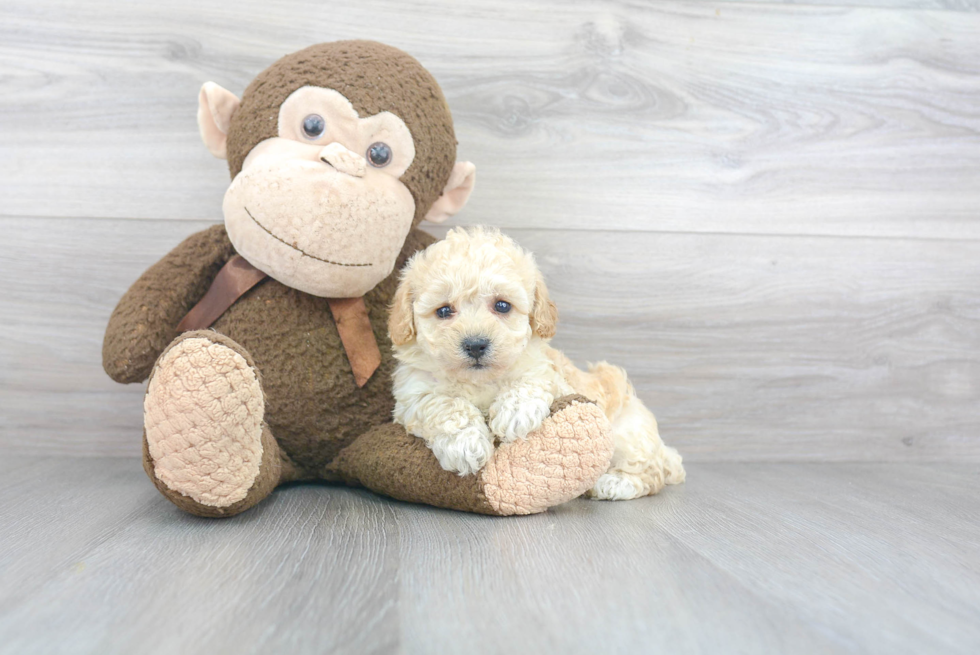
[265, 339]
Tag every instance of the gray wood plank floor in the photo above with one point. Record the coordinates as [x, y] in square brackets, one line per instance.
[744, 558]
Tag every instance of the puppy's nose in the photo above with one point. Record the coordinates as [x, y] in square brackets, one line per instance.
[476, 347]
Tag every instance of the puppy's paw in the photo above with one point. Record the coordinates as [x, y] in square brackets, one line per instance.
[466, 451]
[513, 418]
[614, 486]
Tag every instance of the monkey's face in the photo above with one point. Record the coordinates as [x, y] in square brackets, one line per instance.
[320, 207]
[327, 185]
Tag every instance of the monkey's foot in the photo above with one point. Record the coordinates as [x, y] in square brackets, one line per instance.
[204, 437]
[559, 461]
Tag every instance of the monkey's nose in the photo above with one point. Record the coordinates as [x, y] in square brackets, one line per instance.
[476, 347]
[343, 159]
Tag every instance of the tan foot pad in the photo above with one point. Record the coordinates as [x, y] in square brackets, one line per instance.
[559, 461]
[203, 417]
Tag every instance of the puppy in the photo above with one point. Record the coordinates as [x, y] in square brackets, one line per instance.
[470, 324]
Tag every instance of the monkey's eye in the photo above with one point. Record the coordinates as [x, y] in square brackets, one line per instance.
[444, 312]
[379, 154]
[501, 307]
[313, 126]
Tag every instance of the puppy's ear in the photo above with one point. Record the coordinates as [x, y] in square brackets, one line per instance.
[401, 318]
[544, 314]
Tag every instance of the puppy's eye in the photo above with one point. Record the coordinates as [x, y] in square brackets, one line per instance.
[379, 154]
[501, 307]
[314, 126]
[444, 312]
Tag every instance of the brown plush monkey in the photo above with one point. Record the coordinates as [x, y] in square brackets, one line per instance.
[336, 152]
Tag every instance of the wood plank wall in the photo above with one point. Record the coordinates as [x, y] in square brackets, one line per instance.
[768, 212]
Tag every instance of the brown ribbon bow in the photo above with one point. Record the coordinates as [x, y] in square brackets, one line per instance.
[350, 314]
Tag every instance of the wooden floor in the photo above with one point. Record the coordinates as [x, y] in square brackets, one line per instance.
[745, 558]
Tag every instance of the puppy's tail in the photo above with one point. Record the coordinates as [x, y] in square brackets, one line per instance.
[631, 417]
[674, 472]
[614, 386]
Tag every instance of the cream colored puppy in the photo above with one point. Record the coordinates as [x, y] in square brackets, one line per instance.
[470, 324]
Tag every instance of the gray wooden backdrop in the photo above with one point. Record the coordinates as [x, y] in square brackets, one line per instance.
[768, 212]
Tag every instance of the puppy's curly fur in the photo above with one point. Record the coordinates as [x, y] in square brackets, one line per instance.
[470, 324]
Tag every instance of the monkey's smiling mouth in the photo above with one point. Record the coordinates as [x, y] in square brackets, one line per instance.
[302, 252]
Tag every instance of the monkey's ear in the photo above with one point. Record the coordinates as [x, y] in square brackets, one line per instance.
[544, 313]
[215, 106]
[457, 192]
[401, 318]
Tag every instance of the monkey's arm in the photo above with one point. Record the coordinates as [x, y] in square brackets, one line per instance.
[557, 462]
[145, 320]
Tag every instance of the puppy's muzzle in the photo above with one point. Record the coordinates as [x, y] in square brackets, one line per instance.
[475, 347]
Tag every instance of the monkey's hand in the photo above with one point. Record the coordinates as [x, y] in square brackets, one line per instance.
[145, 320]
[520, 410]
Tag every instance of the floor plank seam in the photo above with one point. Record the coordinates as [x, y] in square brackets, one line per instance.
[436, 229]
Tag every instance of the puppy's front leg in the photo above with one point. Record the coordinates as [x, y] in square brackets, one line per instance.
[453, 428]
[521, 409]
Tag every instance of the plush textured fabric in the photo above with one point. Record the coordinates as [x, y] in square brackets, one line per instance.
[214, 105]
[375, 78]
[313, 404]
[203, 419]
[336, 244]
[392, 462]
[233, 280]
[145, 320]
[561, 460]
[274, 469]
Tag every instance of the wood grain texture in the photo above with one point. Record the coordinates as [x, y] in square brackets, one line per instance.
[943, 5]
[707, 117]
[94, 560]
[746, 347]
[801, 558]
